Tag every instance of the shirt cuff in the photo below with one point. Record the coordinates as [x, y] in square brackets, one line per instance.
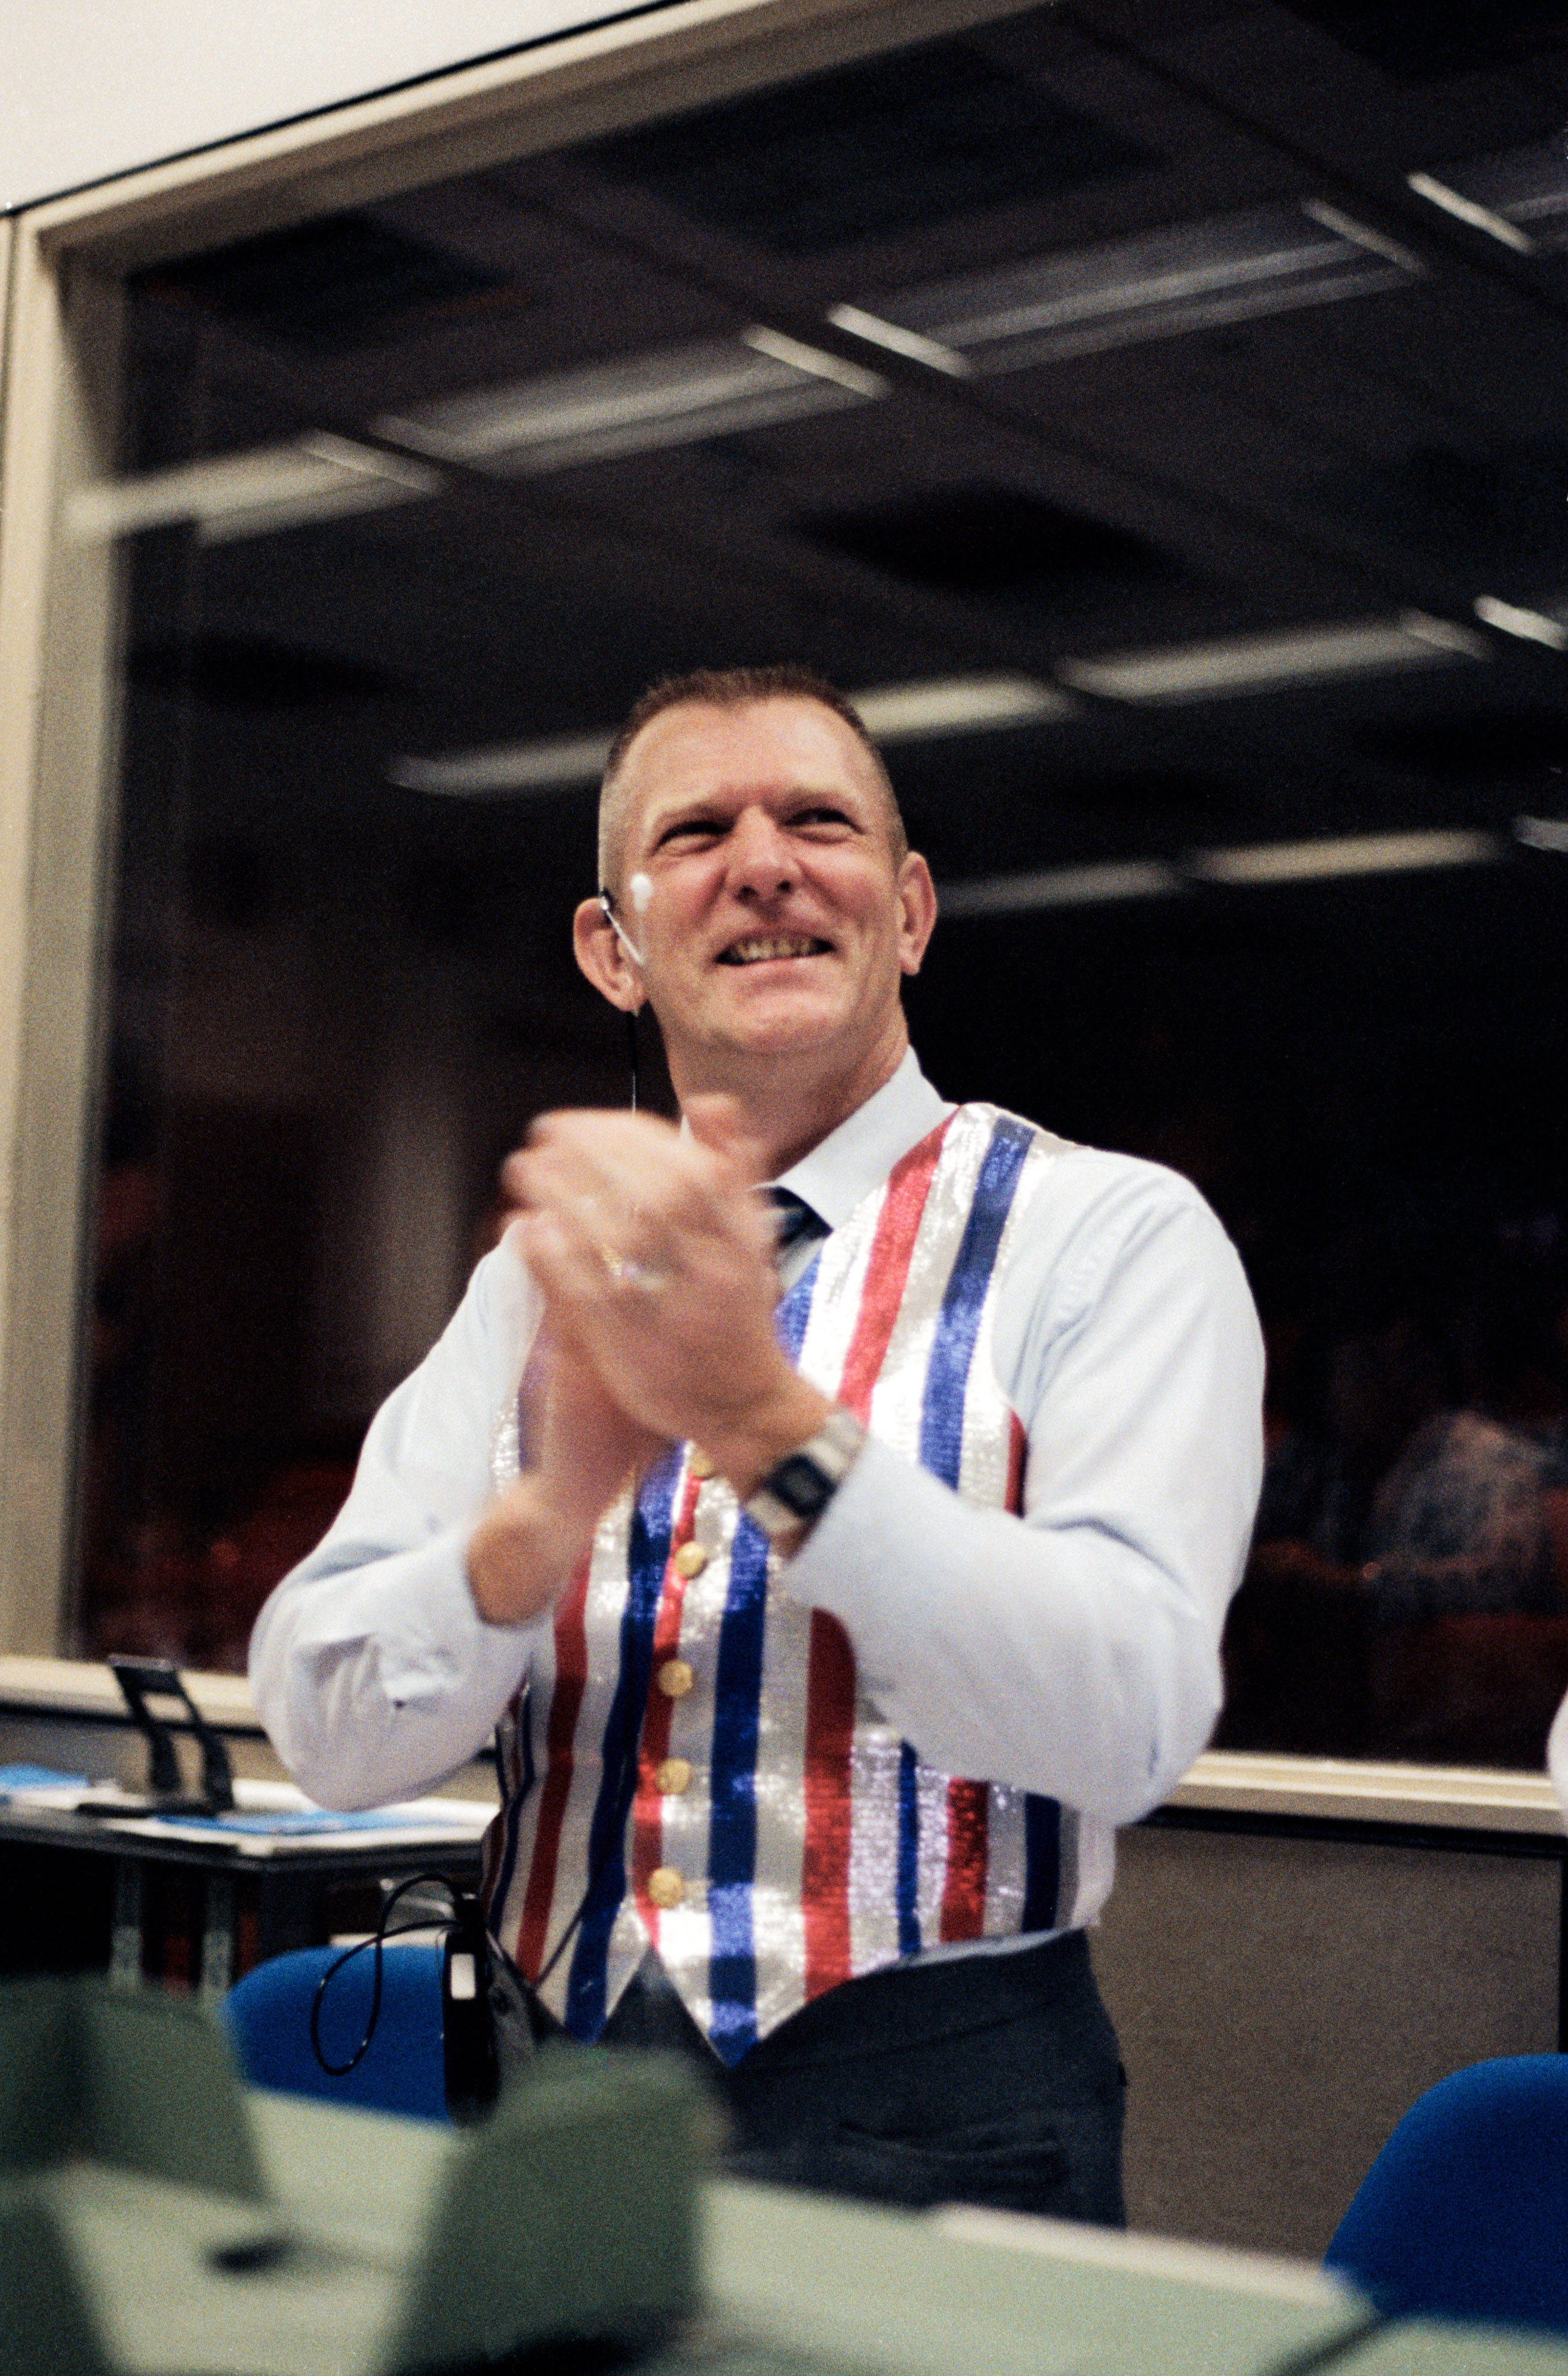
[385, 1681]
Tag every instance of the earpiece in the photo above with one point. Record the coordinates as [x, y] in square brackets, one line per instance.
[640, 892]
[639, 882]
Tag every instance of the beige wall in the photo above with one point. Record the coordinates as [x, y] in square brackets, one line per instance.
[1282, 2002]
[169, 75]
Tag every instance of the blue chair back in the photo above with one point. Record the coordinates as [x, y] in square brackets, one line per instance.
[1464, 2211]
[267, 2015]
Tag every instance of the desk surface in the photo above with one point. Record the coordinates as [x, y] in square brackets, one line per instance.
[797, 2282]
[795, 2285]
[1231, 1781]
[1423, 2347]
[424, 1828]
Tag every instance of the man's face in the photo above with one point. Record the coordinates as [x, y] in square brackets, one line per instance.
[780, 922]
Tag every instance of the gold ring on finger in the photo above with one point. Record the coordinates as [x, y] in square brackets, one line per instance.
[637, 1277]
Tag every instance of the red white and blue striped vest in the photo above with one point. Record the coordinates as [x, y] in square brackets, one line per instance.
[807, 1843]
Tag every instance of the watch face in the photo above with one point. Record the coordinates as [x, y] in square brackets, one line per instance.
[801, 1485]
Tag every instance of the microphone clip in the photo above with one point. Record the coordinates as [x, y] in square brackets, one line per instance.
[613, 920]
[641, 889]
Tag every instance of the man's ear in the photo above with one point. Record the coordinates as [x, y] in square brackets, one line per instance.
[917, 910]
[596, 947]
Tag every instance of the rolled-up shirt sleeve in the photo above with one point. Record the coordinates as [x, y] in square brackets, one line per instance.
[370, 1666]
[1072, 1650]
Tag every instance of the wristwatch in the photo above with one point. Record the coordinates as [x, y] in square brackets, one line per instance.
[795, 1494]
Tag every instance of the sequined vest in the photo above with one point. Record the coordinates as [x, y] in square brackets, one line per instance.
[691, 1762]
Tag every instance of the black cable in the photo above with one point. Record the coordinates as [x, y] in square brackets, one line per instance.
[631, 1736]
[376, 1941]
[633, 1726]
[570, 1932]
[606, 902]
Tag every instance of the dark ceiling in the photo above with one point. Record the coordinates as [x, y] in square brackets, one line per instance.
[1404, 447]
[1332, 402]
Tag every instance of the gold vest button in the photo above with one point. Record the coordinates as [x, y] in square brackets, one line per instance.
[690, 1560]
[675, 1678]
[665, 1885]
[701, 1463]
[672, 1775]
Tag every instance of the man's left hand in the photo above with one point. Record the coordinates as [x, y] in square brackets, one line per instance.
[654, 1254]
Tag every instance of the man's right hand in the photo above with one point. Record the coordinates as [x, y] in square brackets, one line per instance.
[653, 1256]
[529, 1540]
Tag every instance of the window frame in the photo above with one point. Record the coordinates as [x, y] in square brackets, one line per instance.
[61, 263]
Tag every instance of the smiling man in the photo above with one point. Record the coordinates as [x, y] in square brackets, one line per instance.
[770, 834]
[852, 1558]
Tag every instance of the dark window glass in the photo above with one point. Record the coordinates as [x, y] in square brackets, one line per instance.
[1002, 361]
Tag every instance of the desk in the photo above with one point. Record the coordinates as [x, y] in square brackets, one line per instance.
[790, 2284]
[1423, 2347]
[793, 2285]
[195, 1915]
[951, 2293]
[84, 1894]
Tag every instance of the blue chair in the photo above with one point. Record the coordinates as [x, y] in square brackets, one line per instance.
[1464, 2211]
[267, 2016]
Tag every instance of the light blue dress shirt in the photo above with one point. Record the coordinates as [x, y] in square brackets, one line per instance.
[1072, 1651]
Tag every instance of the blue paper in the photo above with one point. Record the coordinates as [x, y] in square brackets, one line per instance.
[296, 1823]
[39, 1777]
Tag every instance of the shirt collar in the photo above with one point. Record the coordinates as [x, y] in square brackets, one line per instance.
[857, 1156]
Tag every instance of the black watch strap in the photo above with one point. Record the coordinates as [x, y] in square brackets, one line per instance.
[795, 1492]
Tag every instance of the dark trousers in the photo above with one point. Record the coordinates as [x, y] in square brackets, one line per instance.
[988, 2079]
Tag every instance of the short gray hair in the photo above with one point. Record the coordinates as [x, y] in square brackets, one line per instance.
[735, 688]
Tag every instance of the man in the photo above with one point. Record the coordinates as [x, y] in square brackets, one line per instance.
[812, 1745]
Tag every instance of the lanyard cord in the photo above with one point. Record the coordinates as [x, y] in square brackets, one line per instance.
[463, 1905]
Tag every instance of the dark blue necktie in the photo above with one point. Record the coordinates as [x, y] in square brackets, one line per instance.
[797, 1229]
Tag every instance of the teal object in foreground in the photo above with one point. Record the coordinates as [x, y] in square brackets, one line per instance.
[139, 2228]
[1463, 2214]
[134, 2081]
[54, 2334]
[155, 2218]
[570, 2219]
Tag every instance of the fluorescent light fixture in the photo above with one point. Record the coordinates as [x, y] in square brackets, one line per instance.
[669, 398]
[878, 333]
[1059, 886]
[1535, 627]
[1542, 832]
[317, 478]
[1335, 857]
[1471, 210]
[901, 713]
[1251, 663]
[892, 713]
[1156, 285]
[1522, 186]
[816, 361]
[508, 768]
[1361, 235]
[1346, 854]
